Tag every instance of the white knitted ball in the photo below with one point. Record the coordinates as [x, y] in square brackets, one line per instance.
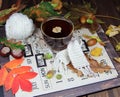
[19, 26]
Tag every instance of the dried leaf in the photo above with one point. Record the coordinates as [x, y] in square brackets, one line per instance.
[3, 75]
[117, 47]
[25, 85]
[117, 59]
[28, 75]
[14, 63]
[112, 30]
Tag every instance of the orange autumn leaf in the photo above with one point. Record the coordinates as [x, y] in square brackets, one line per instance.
[21, 70]
[15, 85]
[15, 72]
[3, 75]
[14, 63]
[9, 81]
[25, 85]
[28, 75]
[13, 76]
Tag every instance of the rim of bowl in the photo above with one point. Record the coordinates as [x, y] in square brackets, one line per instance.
[60, 18]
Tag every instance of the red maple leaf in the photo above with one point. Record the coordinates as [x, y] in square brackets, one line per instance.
[21, 80]
[21, 73]
[28, 75]
[15, 85]
[14, 76]
[13, 73]
[7, 67]
[25, 85]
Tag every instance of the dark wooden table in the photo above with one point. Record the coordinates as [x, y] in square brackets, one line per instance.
[105, 7]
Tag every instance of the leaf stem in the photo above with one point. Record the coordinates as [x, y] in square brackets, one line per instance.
[108, 17]
[81, 11]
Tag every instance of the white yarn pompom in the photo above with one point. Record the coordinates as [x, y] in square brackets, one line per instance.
[19, 26]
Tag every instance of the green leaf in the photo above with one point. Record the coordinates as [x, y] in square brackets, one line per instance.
[46, 6]
[67, 15]
[48, 56]
[89, 21]
[11, 45]
[5, 11]
[54, 5]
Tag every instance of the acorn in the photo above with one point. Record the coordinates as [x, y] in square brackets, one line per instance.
[83, 19]
[17, 53]
[5, 51]
[91, 42]
[50, 74]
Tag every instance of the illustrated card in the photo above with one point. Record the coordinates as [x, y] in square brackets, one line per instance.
[62, 74]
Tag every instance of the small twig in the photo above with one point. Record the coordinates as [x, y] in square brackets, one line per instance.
[81, 11]
[0, 4]
[108, 17]
[115, 39]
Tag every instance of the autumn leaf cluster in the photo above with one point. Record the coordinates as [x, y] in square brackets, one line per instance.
[14, 76]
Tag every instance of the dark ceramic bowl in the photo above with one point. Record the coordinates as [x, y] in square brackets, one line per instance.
[57, 32]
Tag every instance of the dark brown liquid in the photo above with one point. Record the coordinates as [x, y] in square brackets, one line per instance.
[49, 25]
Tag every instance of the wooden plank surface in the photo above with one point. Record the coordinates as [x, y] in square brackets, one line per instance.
[108, 93]
[108, 8]
[112, 8]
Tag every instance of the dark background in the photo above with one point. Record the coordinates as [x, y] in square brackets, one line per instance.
[104, 7]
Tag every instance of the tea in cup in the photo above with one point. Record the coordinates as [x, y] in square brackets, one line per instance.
[57, 32]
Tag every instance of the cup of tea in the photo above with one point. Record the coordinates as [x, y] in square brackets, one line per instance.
[57, 32]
